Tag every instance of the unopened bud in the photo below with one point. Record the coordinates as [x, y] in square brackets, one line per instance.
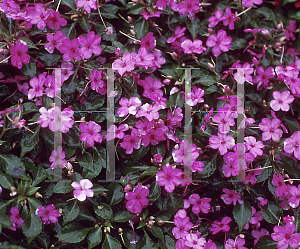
[127, 188]
[227, 89]
[211, 66]
[13, 191]
[167, 81]
[282, 39]
[151, 218]
[160, 222]
[210, 30]
[129, 19]
[120, 230]
[178, 83]
[132, 31]
[38, 195]
[206, 106]
[118, 52]
[176, 147]
[279, 26]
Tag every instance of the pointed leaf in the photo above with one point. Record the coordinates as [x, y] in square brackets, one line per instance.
[242, 214]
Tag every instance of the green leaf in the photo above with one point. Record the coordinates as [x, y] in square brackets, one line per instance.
[84, 24]
[33, 203]
[138, 154]
[5, 33]
[194, 26]
[109, 11]
[94, 102]
[32, 227]
[43, 239]
[98, 189]
[70, 3]
[272, 213]
[122, 216]
[291, 123]
[86, 161]
[158, 149]
[94, 237]
[151, 171]
[115, 193]
[5, 221]
[29, 107]
[39, 175]
[290, 166]
[13, 165]
[238, 43]
[72, 138]
[6, 181]
[141, 28]
[136, 9]
[104, 211]
[29, 141]
[73, 233]
[99, 156]
[63, 187]
[147, 243]
[28, 42]
[176, 100]
[32, 190]
[29, 69]
[70, 211]
[111, 243]
[168, 72]
[266, 242]
[69, 31]
[154, 192]
[265, 172]
[242, 214]
[49, 59]
[175, 202]
[157, 232]
[284, 2]
[209, 167]
[268, 13]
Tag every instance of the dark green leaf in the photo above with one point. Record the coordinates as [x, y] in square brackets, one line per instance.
[69, 31]
[49, 59]
[176, 100]
[194, 26]
[86, 161]
[94, 102]
[111, 243]
[168, 72]
[99, 156]
[72, 138]
[115, 193]
[268, 13]
[209, 167]
[39, 175]
[6, 181]
[158, 149]
[43, 239]
[154, 192]
[122, 216]
[104, 211]
[138, 154]
[13, 165]
[73, 233]
[175, 202]
[5, 33]
[32, 227]
[98, 189]
[32, 190]
[109, 11]
[28, 42]
[29, 69]
[157, 232]
[70, 211]
[70, 3]
[136, 9]
[266, 242]
[291, 123]
[151, 171]
[272, 213]
[265, 172]
[29, 107]
[238, 43]
[94, 237]
[141, 28]
[290, 165]
[29, 141]
[242, 214]
[63, 187]
[84, 24]
[5, 221]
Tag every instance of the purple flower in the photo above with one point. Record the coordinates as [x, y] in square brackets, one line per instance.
[278, 181]
[148, 111]
[66, 71]
[224, 119]
[48, 214]
[148, 41]
[243, 73]
[158, 60]
[249, 3]
[60, 120]
[179, 32]
[254, 146]
[38, 15]
[289, 31]
[128, 106]
[154, 136]
[57, 158]
[87, 4]
[262, 77]
[295, 196]
[125, 64]
[286, 236]
[220, 42]
[270, 129]
[258, 234]
[229, 19]
[136, 200]
[82, 189]
[292, 144]
[90, 133]
[151, 86]
[250, 177]
[231, 196]
[222, 226]
[221, 142]
[131, 141]
[189, 7]
[54, 41]
[145, 59]
[187, 154]
[182, 224]
[190, 47]
[235, 244]
[114, 132]
[147, 14]
[281, 100]
[37, 86]
[15, 218]
[230, 166]
[70, 49]
[214, 20]
[54, 20]
[18, 54]
[199, 204]
[96, 79]
[169, 177]
[89, 45]
[194, 242]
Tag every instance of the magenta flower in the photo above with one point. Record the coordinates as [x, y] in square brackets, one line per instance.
[281, 100]
[136, 200]
[151, 86]
[254, 146]
[90, 44]
[189, 7]
[224, 119]
[179, 32]
[54, 20]
[199, 204]
[66, 71]
[169, 177]
[270, 129]
[158, 60]
[243, 73]
[231, 196]
[18, 54]
[214, 20]
[125, 64]
[154, 136]
[148, 41]
[220, 42]
[249, 3]
[114, 132]
[191, 47]
[39, 15]
[60, 120]
[87, 5]
[222, 226]
[195, 96]
[128, 106]
[258, 234]
[82, 189]
[251, 176]
[235, 244]
[229, 19]
[15, 218]
[292, 144]
[186, 154]
[37, 86]
[278, 181]
[57, 158]
[147, 14]
[96, 80]
[182, 224]
[221, 142]
[145, 59]
[230, 166]
[286, 236]
[131, 141]
[289, 31]
[48, 214]
[70, 49]
[44, 120]
[210, 245]
[148, 111]
[263, 77]
[54, 41]
[295, 196]
[90, 133]
[194, 242]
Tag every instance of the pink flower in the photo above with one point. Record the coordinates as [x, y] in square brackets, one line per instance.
[48, 214]
[44, 120]
[224, 119]
[210, 245]
[157, 158]
[278, 181]
[194, 242]
[125, 64]
[16, 220]
[220, 42]
[286, 236]
[90, 133]
[229, 19]
[90, 44]
[96, 80]
[148, 111]
[295, 196]
[214, 20]
[250, 177]
[66, 70]
[189, 7]
[151, 86]
[37, 86]
[54, 41]
[222, 226]
[263, 77]
[57, 158]
[82, 189]
[289, 31]
[249, 3]
[54, 20]
[148, 41]
[158, 60]
[292, 144]
[128, 106]
[182, 224]
[199, 204]
[114, 132]
[281, 100]
[169, 177]
[39, 15]
[243, 73]
[136, 200]
[191, 47]
[270, 129]
[87, 4]
[131, 141]
[154, 136]
[70, 49]
[258, 234]
[195, 96]
[60, 120]
[186, 154]
[221, 142]
[179, 32]
[18, 54]
[254, 146]
[147, 14]
[231, 196]
[230, 166]
[145, 59]
[235, 244]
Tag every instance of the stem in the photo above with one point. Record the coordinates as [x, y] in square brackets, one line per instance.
[282, 55]
[5, 59]
[101, 15]
[243, 12]
[58, 5]
[129, 36]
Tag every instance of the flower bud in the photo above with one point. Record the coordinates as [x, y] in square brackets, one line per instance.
[109, 30]
[38, 195]
[127, 188]
[210, 30]
[13, 191]
[120, 230]
[167, 81]
[132, 32]
[282, 39]
[279, 26]
[118, 52]
[206, 106]
[211, 66]
[227, 89]
[129, 19]
[160, 222]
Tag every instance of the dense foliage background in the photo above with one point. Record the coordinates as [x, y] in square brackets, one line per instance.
[153, 203]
